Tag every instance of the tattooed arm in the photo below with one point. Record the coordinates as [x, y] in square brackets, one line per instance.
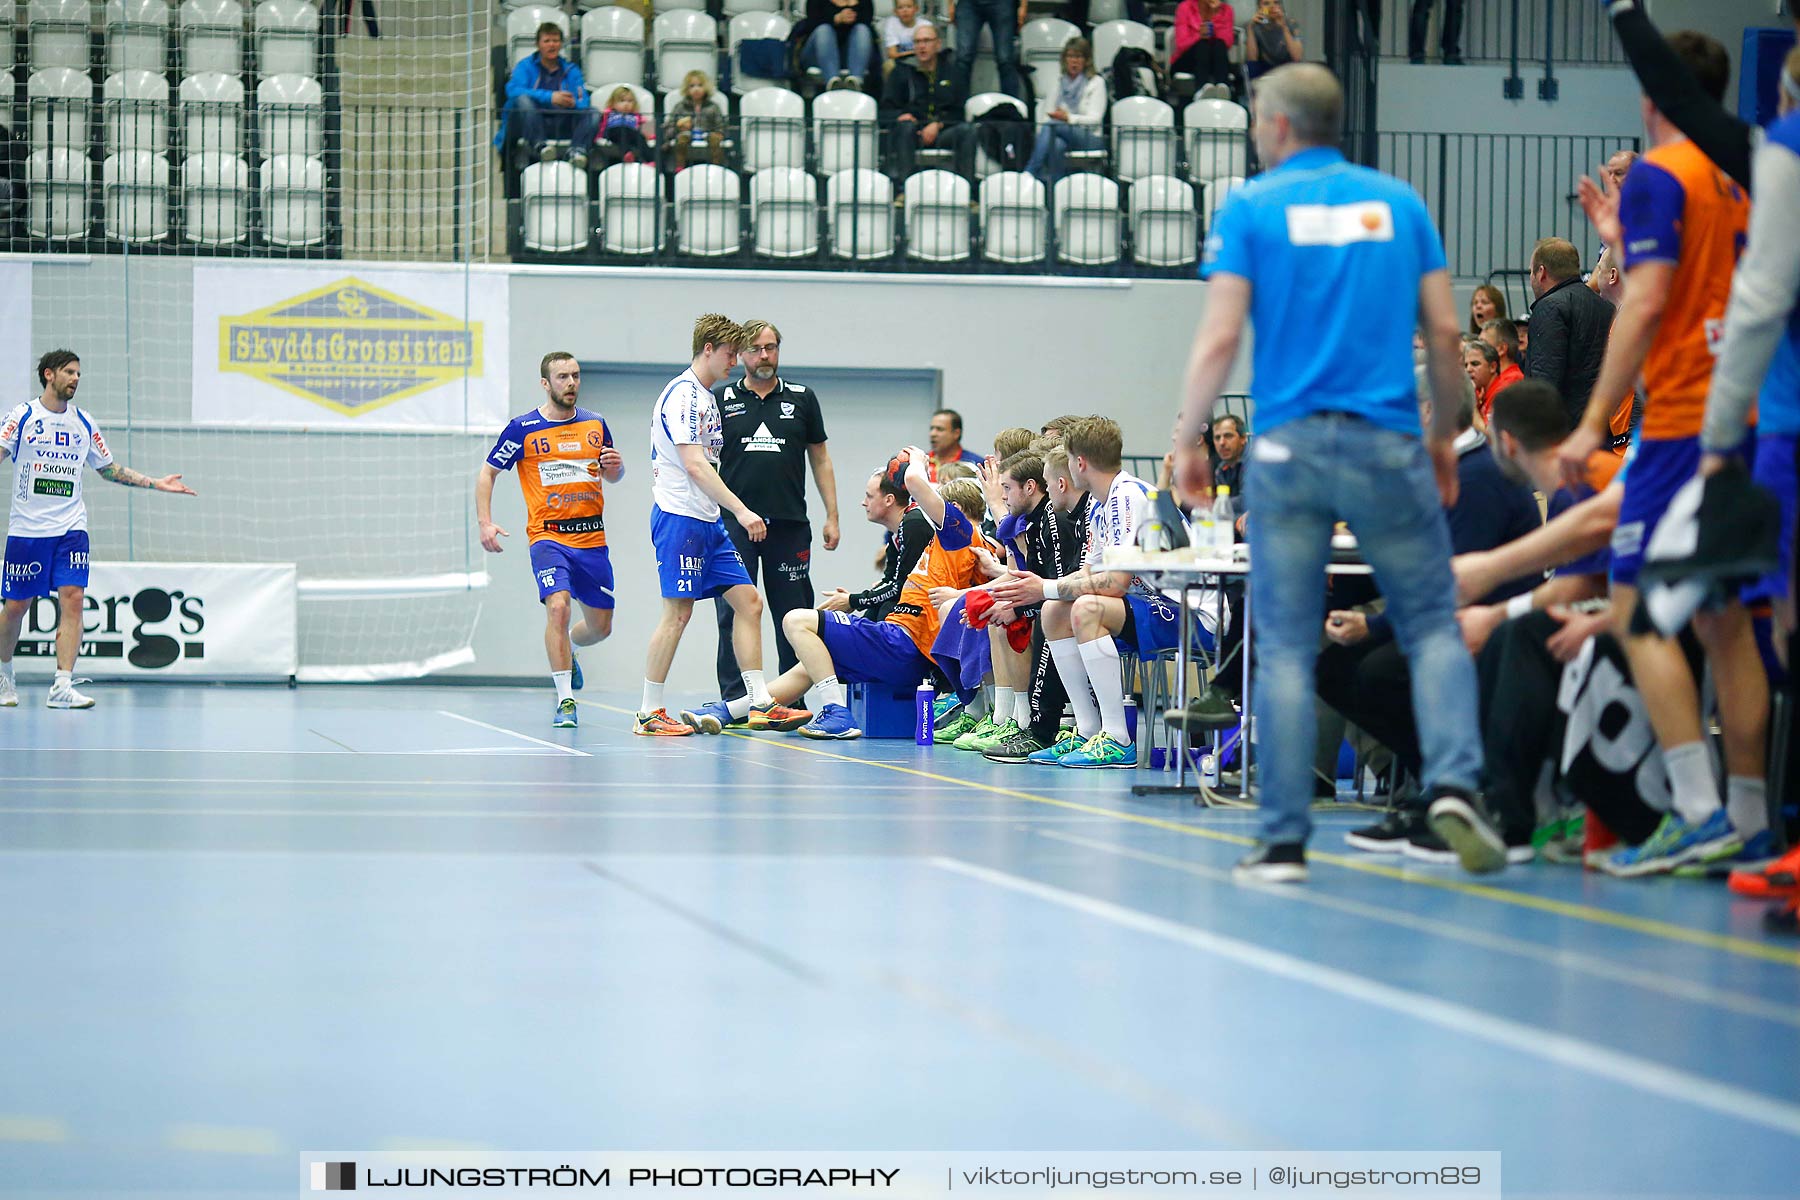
[131, 478]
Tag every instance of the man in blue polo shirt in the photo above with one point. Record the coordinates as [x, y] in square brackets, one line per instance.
[1336, 265]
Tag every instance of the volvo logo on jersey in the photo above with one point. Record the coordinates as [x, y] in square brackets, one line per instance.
[151, 629]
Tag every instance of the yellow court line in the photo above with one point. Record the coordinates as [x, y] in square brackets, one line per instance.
[1725, 943]
[32, 1129]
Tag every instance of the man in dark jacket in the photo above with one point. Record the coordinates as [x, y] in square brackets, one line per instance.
[1569, 326]
[921, 103]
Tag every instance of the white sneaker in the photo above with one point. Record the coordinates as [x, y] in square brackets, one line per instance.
[64, 695]
[9, 692]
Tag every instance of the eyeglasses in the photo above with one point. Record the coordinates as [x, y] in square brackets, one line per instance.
[769, 349]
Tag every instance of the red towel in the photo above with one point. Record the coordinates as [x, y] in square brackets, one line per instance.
[1018, 631]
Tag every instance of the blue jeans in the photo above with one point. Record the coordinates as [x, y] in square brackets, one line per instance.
[1306, 475]
[1055, 139]
[536, 123]
[1001, 16]
[832, 53]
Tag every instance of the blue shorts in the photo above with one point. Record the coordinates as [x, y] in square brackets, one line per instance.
[586, 575]
[1153, 625]
[865, 651]
[38, 566]
[1658, 469]
[695, 559]
[1777, 470]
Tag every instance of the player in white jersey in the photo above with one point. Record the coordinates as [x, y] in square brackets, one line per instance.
[695, 558]
[50, 441]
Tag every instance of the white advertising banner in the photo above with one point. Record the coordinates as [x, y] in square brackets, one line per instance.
[15, 321]
[194, 620]
[332, 346]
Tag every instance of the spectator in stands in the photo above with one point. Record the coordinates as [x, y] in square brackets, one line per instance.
[1618, 164]
[1074, 115]
[694, 126]
[623, 125]
[897, 32]
[1228, 468]
[1274, 39]
[1569, 326]
[1486, 303]
[1004, 19]
[1503, 336]
[1204, 32]
[368, 11]
[1449, 37]
[945, 440]
[922, 102]
[545, 98]
[839, 46]
[1481, 364]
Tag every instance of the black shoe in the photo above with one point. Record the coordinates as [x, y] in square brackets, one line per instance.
[1458, 819]
[1453, 60]
[1209, 710]
[1281, 863]
[1390, 834]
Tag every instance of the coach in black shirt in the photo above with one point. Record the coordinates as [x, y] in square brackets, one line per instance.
[772, 427]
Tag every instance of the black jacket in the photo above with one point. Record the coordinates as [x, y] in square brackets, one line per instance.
[1569, 327]
[908, 91]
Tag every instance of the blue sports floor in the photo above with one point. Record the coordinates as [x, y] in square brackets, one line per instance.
[240, 923]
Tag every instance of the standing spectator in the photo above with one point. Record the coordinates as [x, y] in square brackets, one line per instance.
[1486, 303]
[945, 440]
[922, 103]
[545, 98]
[897, 31]
[1075, 113]
[1274, 39]
[840, 44]
[773, 429]
[1204, 32]
[1569, 326]
[1503, 336]
[1004, 19]
[1449, 38]
[694, 127]
[1339, 437]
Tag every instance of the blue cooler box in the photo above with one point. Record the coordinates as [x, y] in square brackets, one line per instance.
[881, 711]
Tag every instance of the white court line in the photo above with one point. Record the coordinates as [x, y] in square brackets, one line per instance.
[521, 752]
[1640, 1074]
[444, 712]
[80, 783]
[534, 815]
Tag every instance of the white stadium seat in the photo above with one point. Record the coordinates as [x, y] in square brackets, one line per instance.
[937, 216]
[137, 36]
[1143, 133]
[784, 213]
[290, 111]
[136, 109]
[1112, 36]
[612, 47]
[136, 187]
[6, 108]
[57, 183]
[58, 31]
[646, 101]
[59, 99]
[212, 114]
[216, 202]
[287, 37]
[706, 211]
[521, 31]
[1164, 227]
[1087, 219]
[861, 209]
[293, 200]
[754, 25]
[212, 37]
[1217, 139]
[1041, 45]
[555, 208]
[1013, 218]
[844, 131]
[630, 209]
[772, 122]
[1214, 194]
[735, 8]
[1102, 11]
[684, 41]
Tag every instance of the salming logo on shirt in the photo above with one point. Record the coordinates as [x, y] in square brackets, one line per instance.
[685, 415]
[49, 452]
[559, 475]
[1114, 520]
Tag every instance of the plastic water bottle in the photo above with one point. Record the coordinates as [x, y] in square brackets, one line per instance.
[1209, 770]
[923, 702]
[1223, 523]
[1131, 717]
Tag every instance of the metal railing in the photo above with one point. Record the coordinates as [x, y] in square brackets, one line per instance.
[1568, 32]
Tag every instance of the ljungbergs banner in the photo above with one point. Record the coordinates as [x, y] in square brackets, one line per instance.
[330, 345]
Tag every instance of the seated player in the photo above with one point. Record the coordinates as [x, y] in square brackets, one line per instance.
[837, 648]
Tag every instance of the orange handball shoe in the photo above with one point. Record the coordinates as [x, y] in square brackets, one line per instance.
[1771, 880]
[659, 724]
[778, 717]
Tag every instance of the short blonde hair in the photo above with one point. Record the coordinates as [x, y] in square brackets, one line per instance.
[753, 330]
[1098, 440]
[966, 495]
[712, 329]
[1009, 442]
[955, 470]
[1056, 462]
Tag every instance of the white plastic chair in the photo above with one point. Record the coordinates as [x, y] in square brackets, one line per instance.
[293, 200]
[1164, 225]
[646, 101]
[979, 105]
[136, 188]
[684, 41]
[287, 37]
[554, 204]
[937, 216]
[1111, 36]
[1215, 192]
[522, 26]
[212, 114]
[861, 209]
[612, 46]
[735, 8]
[694, 5]
[1086, 208]
[784, 213]
[59, 100]
[630, 212]
[1102, 11]
[1217, 139]
[135, 105]
[1013, 218]
[137, 36]
[1041, 45]
[754, 25]
[706, 211]
[1143, 134]
[772, 122]
[212, 37]
[58, 30]
[57, 184]
[844, 131]
[216, 201]
[291, 112]
[6, 94]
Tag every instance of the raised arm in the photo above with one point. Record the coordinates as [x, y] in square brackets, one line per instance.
[116, 473]
[1677, 94]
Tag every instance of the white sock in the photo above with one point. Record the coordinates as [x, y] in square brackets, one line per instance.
[1101, 658]
[1022, 709]
[757, 690]
[1066, 653]
[1003, 704]
[653, 697]
[564, 689]
[6, 668]
[740, 707]
[1691, 779]
[1747, 804]
[831, 692]
[64, 679]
